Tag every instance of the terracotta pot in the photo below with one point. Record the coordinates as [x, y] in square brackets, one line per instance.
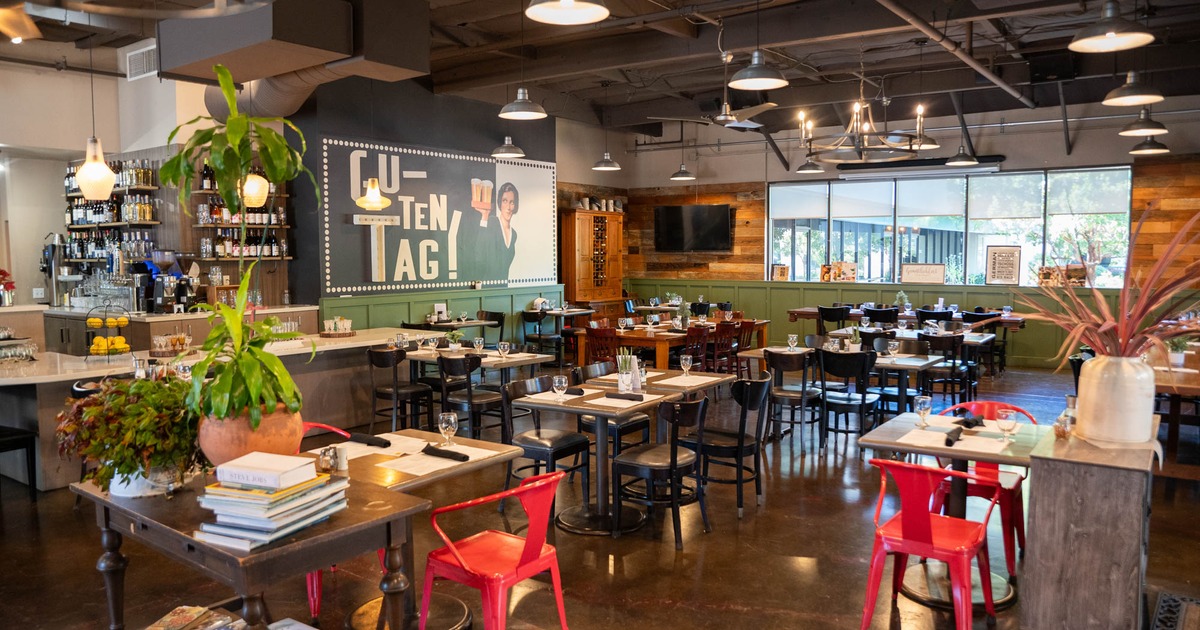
[222, 440]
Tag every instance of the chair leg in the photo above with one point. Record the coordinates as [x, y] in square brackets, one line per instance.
[495, 607]
[675, 483]
[313, 582]
[508, 474]
[701, 488]
[616, 503]
[587, 486]
[899, 566]
[1019, 519]
[741, 473]
[758, 461]
[985, 582]
[426, 593]
[1007, 524]
[31, 473]
[556, 580]
[960, 585]
[874, 575]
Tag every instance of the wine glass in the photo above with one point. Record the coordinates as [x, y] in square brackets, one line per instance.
[677, 323]
[685, 363]
[893, 347]
[478, 343]
[902, 324]
[462, 316]
[1006, 420]
[728, 316]
[792, 341]
[953, 308]
[703, 318]
[560, 386]
[908, 307]
[866, 321]
[432, 343]
[621, 324]
[447, 426]
[923, 405]
[700, 298]
[1007, 310]
[503, 348]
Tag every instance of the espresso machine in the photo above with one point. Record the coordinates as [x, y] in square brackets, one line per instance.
[164, 293]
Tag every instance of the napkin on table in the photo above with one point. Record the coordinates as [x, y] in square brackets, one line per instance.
[441, 452]
[953, 436]
[637, 397]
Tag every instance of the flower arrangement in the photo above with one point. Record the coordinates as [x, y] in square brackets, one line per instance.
[1146, 305]
[901, 299]
[624, 360]
[6, 280]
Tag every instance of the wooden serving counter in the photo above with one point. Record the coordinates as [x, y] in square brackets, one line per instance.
[335, 385]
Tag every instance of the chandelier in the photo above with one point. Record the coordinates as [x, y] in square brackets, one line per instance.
[863, 141]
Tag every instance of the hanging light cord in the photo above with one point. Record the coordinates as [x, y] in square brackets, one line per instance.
[92, 79]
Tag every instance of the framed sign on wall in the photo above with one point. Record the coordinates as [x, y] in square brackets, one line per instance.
[457, 220]
[1003, 264]
[921, 273]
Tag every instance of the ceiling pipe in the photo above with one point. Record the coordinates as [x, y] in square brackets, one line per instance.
[953, 48]
[280, 95]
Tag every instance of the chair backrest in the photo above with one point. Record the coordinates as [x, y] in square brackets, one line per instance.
[855, 365]
[599, 322]
[629, 310]
[815, 341]
[723, 338]
[924, 315]
[385, 358]
[949, 346]
[420, 326]
[882, 315]
[699, 308]
[751, 395]
[970, 319]
[913, 346]
[725, 306]
[916, 485]
[745, 333]
[492, 316]
[458, 370]
[520, 389]
[683, 414]
[846, 304]
[880, 344]
[602, 344]
[782, 362]
[583, 373]
[654, 301]
[832, 314]
[987, 409]
[869, 336]
[696, 344]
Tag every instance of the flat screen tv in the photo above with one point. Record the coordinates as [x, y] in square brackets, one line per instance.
[700, 228]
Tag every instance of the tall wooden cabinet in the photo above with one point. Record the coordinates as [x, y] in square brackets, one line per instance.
[591, 257]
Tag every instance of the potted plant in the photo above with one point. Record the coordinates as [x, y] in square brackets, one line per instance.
[1175, 349]
[901, 299]
[1116, 388]
[243, 394]
[132, 429]
[454, 339]
[855, 340]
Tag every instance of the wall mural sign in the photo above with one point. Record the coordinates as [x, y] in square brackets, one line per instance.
[456, 219]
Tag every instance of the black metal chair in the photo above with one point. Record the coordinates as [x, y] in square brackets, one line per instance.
[838, 315]
[660, 465]
[459, 393]
[552, 340]
[889, 393]
[799, 395]
[992, 353]
[724, 306]
[855, 366]
[818, 379]
[546, 447]
[397, 392]
[882, 315]
[952, 373]
[699, 308]
[492, 316]
[617, 429]
[927, 315]
[731, 448]
[13, 439]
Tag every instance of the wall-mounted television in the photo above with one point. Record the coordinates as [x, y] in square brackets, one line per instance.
[696, 228]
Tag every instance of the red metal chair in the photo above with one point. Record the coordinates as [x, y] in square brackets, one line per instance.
[312, 579]
[1012, 507]
[494, 561]
[915, 530]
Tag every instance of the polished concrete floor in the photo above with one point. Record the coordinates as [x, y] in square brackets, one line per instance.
[798, 561]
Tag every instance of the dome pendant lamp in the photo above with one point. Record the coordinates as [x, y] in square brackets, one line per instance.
[1133, 92]
[1143, 126]
[1149, 146]
[508, 150]
[522, 108]
[567, 12]
[1111, 33]
[606, 163]
[683, 174]
[95, 178]
[758, 75]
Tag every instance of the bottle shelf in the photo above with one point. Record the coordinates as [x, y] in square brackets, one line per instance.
[250, 258]
[120, 190]
[217, 192]
[255, 226]
[96, 226]
[85, 260]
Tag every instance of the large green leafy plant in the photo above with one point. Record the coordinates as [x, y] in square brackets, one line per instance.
[231, 148]
[131, 426]
[246, 377]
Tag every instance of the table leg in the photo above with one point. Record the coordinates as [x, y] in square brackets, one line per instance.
[112, 566]
[662, 353]
[394, 586]
[902, 394]
[581, 349]
[581, 520]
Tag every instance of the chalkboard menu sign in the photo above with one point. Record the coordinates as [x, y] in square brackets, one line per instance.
[455, 219]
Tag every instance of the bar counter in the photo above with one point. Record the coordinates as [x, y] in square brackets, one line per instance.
[335, 385]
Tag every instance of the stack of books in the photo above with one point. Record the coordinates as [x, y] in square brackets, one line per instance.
[260, 498]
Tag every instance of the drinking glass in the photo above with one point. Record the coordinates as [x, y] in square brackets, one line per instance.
[700, 298]
[391, 344]
[677, 322]
[462, 316]
[1006, 420]
[183, 371]
[792, 341]
[953, 308]
[908, 307]
[447, 426]
[923, 405]
[902, 324]
[703, 318]
[478, 343]
[560, 386]
[728, 316]
[685, 363]
[893, 347]
[1007, 310]
[621, 324]
[866, 321]
[432, 343]
[503, 348]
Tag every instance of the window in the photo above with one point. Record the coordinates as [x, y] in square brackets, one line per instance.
[1055, 217]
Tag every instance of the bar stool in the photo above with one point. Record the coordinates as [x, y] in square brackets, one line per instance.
[398, 392]
[13, 439]
[542, 339]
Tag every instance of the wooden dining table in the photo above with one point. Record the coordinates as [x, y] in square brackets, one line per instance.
[1010, 321]
[929, 583]
[1176, 384]
[670, 382]
[662, 339]
[969, 338]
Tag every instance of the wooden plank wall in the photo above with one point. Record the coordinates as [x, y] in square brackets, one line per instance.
[1168, 188]
[745, 262]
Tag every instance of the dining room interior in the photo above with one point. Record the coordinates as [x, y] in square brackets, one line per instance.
[877, 313]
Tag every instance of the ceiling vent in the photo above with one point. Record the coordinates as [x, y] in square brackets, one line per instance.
[141, 63]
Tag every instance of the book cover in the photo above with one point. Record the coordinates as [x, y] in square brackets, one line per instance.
[231, 542]
[266, 537]
[223, 506]
[179, 618]
[272, 523]
[261, 496]
[268, 470]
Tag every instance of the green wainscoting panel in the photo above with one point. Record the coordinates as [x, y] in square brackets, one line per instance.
[1034, 346]
[394, 309]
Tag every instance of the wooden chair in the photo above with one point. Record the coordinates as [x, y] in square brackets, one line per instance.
[882, 315]
[799, 395]
[492, 316]
[837, 315]
[459, 393]
[951, 373]
[694, 344]
[720, 351]
[929, 315]
[546, 447]
[602, 345]
[731, 448]
[855, 366]
[745, 365]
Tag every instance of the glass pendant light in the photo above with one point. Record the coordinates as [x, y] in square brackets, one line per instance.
[522, 108]
[1149, 146]
[1143, 126]
[606, 163]
[508, 150]
[758, 75]
[567, 12]
[95, 179]
[255, 189]
[373, 199]
[1111, 33]
[1133, 92]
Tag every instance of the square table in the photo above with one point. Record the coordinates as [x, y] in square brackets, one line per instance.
[456, 324]
[581, 520]
[969, 339]
[928, 583]
[1010, 321]
[375, 519]
[669, 381]
[560, 316]
[491, 360]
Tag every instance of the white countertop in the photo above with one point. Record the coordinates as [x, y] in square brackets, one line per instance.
[23, 308]
[80, 313]
[53, 367]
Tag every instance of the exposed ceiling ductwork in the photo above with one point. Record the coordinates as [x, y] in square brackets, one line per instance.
[288, 49]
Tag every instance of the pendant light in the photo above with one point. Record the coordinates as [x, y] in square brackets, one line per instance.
[255, 189]
[95, 179]
[508, 150]
[810, 166]
[683, 174]
[806, 135]
[373, 199]
[522, 108]
[606, 163]
[1143, 126]
[1149, 146]
[1133, 92]
[923, 142]
[1111, 33]
[962, 158]
[567, 12]
[726, 116]
[758, 75]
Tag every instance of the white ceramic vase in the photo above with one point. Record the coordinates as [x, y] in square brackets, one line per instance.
[1116, 399]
